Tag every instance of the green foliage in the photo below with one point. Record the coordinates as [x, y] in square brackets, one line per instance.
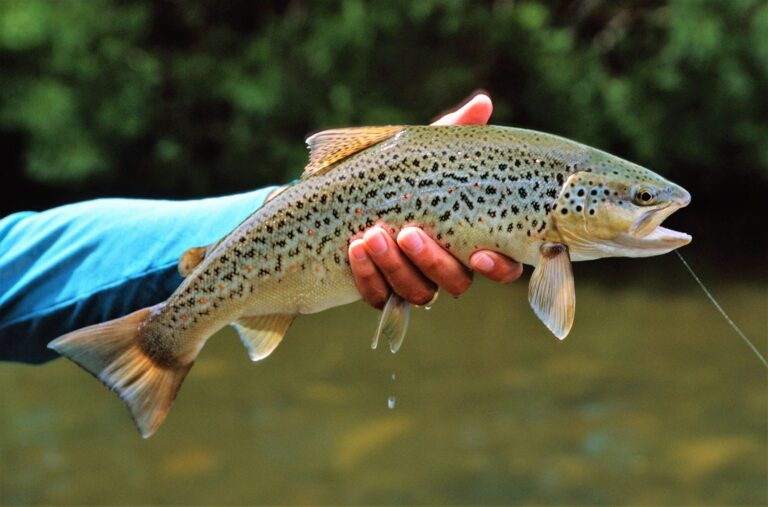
[192, 98]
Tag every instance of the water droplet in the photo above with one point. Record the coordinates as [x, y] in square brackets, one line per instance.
[391, 402]
[393, 376]
[427, 308]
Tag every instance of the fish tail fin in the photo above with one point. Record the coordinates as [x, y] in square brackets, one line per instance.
[113, 353]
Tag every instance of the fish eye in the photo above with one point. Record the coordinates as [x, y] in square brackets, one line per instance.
[645, 196]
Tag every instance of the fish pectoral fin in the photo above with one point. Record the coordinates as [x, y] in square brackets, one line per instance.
[262, 334]
[393, 323]
[551, 291]
[190, 259]
[331, 146]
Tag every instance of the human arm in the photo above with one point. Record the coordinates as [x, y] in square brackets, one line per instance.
[85, 263]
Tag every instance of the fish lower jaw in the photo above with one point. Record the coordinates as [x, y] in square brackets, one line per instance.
[662, 234]
[657, 242]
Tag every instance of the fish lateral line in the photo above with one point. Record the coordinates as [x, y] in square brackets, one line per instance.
[722, 311]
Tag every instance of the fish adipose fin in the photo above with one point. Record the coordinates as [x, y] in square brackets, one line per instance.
[393, 323]
[112, 353]
[330, 146]
[551, 291]
[263, 333]
[190, 259]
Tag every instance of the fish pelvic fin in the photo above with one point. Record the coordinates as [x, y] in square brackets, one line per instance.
[113, 353]
[262, 334]
[393, 323]
[551, 291]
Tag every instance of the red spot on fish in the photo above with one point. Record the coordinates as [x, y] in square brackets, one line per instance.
[450, 190]
[249, 268]
[203, 301]
[221, 286]
[310, 232]
[185, 317]
[476, 185]
[318, 269]
[405, 197]
[431, 225]
[358, 211]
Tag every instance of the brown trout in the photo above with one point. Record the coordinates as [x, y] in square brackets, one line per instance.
[540, 199]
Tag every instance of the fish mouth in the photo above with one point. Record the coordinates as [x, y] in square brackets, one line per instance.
[648, 237]
[662, 235]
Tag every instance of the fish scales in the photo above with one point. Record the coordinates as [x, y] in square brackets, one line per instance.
[485, 192]
[540, 199]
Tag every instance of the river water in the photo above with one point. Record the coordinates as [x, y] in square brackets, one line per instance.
[652, 399]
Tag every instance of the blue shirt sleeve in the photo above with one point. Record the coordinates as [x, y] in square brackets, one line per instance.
[85, 263]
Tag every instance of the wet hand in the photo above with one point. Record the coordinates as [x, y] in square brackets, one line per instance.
[413, 265]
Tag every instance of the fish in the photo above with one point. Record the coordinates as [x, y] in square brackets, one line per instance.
[540, 199]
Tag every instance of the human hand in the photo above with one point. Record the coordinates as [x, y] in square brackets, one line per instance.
[414, 265]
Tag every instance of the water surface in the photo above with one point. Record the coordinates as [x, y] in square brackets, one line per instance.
[652, 399]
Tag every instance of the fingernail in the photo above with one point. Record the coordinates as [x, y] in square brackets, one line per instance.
[374, 241]
[358, 250]
[483, 262]
[411, 242]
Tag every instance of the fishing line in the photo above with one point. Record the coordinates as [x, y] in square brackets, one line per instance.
[722, 312]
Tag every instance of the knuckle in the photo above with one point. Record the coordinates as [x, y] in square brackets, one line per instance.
[431, 264]
[390, 266]
[511, 273]
[459, 285]
[377, 300]
[421, 297]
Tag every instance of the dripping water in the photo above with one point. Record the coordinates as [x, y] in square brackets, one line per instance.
[391, 399]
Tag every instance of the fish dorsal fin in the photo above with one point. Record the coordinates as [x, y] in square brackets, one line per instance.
[551, 291]
[262, 334]
[330, 146]
[393, 323]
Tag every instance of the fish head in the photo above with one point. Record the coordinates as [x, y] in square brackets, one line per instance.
[613, 208]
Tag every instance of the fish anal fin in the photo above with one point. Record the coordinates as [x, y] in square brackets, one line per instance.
[331, 146]
[262, 334]
[551, 291]
[190, 259]
[112, 352]
[393, 323]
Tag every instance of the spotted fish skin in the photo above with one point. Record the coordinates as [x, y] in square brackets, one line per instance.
[468, 187]
[537, 198]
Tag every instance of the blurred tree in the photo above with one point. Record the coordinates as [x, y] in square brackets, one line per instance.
[181, 98]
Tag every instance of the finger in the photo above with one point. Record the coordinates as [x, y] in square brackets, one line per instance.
[404, 279]
[368, 279]
[477, 111]
[495, 266]
[434, 261]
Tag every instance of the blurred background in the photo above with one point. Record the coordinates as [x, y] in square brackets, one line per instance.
[652, 399]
